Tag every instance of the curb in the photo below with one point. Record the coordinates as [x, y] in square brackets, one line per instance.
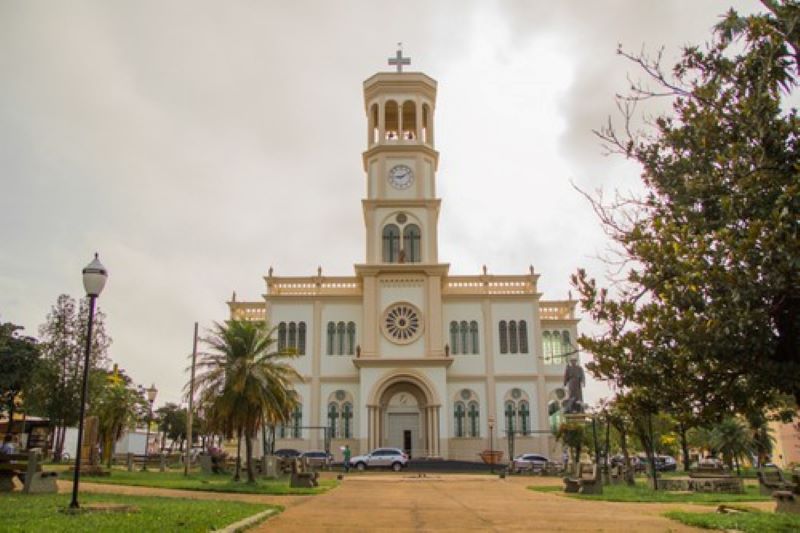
[248, 522]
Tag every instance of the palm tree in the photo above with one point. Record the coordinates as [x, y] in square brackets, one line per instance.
[246, 380]
[732, 438]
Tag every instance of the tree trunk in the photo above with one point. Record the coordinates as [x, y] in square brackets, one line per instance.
[10, 427]
[684, 446]
[248, 446]
[629, 479]
[237, 476]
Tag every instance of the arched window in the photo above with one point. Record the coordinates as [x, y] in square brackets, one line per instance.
[340, 414]
[474, 419]
[301, 338]
[391, 243]
[333, 419]
[282, 336]
[464, 337]
[454, 337]
[292, 335]
[340, 335]
[297, 421]
[331, 337]
[523, 337]
[409, 120]
[351, 338]
[459, 419]
[512, 336]
[511, 414]
[374, 125]
[547, 346]
[473, 333]
[524, 417]
[411, 243]
[425, 122]
[391, 118]
[347, 416]
[503, 337]
[565, 343]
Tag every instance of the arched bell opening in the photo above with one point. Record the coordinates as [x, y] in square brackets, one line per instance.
[409, 122]
[391, 120]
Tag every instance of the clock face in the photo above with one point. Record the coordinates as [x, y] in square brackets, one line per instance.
[401, 177]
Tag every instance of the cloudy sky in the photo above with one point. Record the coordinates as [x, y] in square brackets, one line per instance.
[193, 144]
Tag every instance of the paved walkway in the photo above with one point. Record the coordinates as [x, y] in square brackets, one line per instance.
[404, 502]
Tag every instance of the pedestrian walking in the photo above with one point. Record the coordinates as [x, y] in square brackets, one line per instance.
[346, 452]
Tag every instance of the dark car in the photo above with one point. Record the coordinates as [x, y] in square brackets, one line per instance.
[288, 453]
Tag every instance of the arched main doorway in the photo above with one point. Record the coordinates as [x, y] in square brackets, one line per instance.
[405, 414]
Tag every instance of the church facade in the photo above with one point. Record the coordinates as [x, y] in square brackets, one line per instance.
[402, 353]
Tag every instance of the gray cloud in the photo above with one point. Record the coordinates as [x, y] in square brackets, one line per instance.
[193, 144]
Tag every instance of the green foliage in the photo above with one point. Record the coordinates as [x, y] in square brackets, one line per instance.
[642, 492]
[243, 381]
[753, 521]
[732, 439]
[172, 421]
[118, 406]
[707, 321]
[19, 357]
[56, 388]
[43, 512]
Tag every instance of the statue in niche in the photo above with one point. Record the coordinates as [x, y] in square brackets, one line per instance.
[574, 381]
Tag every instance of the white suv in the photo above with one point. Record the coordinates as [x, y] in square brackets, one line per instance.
[393, 458]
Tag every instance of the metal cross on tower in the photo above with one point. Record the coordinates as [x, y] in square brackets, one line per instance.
[398, 59]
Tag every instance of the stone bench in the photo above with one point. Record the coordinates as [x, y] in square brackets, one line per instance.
[304, 480]
[786, 502]
[27, 467]
[587, 480]
[770, 479]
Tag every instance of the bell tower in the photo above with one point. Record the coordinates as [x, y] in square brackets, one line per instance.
[401, 210]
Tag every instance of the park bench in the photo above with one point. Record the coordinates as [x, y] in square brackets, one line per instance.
[137, 462]
[27, 467]
[770, 479]
[587, 480]
[708, 470]
[786, 502]
[302, 476]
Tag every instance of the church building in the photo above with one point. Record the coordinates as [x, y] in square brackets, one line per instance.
[402, 353]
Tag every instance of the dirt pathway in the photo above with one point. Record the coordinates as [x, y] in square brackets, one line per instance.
[405, 502]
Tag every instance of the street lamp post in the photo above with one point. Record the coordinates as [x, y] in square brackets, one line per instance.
[94, 279]
[491, 442]
[151, 397]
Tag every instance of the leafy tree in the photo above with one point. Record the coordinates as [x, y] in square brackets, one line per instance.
[56, 390]
[243, 380]
[119, 406]
[19, 357]
[172, 421]
[707, 319]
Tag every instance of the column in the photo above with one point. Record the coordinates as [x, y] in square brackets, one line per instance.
[315, 330]
[436, 431]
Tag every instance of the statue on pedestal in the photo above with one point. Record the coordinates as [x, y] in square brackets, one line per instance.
[574, 381]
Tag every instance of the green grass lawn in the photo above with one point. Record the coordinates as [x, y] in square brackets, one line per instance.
[755, 521]
[43, 512]
[641, 492]
[206, 482]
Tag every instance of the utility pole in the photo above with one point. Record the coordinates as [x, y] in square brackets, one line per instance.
[191, 408]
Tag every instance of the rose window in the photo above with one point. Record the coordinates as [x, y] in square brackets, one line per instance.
[402, 323]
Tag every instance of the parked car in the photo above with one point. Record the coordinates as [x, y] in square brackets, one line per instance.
[664, 463]
[529, 462]
[393, 458]
[318, 458]
[288, 453]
